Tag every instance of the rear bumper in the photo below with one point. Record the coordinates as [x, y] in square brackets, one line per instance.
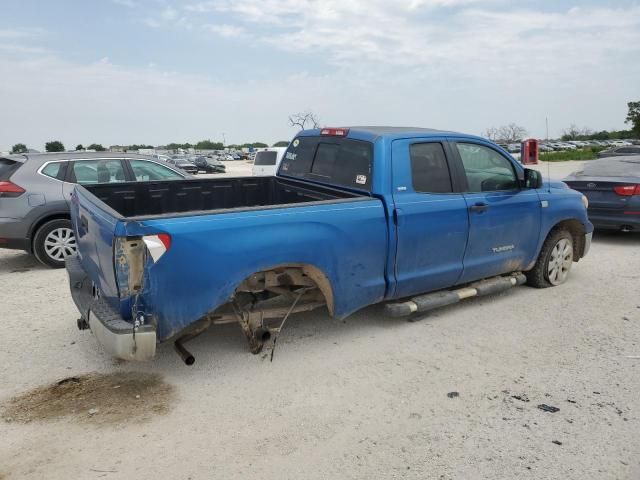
[12, 234]
[615, 220]
[117, 336]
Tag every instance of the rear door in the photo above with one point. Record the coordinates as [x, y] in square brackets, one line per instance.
[431, 217]
[504, 219]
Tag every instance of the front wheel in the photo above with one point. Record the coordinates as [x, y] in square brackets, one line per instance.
[53, 242]
[554, 262]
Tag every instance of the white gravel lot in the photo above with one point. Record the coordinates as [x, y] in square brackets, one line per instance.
[366, 398]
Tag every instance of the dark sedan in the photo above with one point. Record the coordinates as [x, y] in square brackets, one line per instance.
[612, 186]
[620, 151]
[183, 164]
[208, 164]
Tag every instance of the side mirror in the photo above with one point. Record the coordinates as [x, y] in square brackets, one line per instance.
[532, 178]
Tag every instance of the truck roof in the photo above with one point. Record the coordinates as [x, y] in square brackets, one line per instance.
[371, 133]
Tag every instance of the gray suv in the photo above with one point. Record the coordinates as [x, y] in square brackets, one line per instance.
[35, 192]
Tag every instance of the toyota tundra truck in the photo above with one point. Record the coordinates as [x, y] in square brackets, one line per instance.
[416, 218]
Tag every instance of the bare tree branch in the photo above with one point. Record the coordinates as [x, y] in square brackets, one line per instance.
[304, 120]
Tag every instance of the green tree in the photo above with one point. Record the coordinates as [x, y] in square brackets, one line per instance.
[138, 147]
[208, 145]
[254, 145]
[176, 146]
[97, 147]
[281, 144]
[79, 147]
[54, 146]
[19, 148]
[633, 116]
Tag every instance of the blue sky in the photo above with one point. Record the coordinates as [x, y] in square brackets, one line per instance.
[157, 71]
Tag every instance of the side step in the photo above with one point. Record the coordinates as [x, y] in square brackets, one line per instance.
[429, 301]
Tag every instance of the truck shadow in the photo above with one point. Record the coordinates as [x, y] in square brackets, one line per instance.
[19, 262]
[224, 346]
[613, 237]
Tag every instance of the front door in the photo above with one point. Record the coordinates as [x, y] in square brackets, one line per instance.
[430, 215]
[504, 218]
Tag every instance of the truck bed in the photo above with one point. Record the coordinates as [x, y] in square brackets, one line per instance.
[145, 199]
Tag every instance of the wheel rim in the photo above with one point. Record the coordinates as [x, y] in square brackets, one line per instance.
[60, 243]
[560, 261]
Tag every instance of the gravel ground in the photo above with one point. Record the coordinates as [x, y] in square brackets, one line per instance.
[372, 397]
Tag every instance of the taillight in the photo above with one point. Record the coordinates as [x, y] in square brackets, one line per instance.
[334, 132]
[157, 244]
[10, 189]
[627, 190]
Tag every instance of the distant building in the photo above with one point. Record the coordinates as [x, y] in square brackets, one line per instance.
[117, 148]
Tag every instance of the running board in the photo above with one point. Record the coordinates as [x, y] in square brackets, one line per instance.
[433, 300]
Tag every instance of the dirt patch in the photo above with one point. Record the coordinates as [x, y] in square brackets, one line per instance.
[120, 397]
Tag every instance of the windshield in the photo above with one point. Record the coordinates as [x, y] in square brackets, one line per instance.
[332, 160]
[266, 158]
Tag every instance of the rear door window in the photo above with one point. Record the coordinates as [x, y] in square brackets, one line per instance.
[334, 161]
[87, 172]
[266, 158]
[429, 169]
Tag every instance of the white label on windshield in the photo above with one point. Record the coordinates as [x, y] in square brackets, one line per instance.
[291, 156]
[296, 142]
[361, 179]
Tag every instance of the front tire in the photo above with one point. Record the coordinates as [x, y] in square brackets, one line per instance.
[554, 262]
[53, 242]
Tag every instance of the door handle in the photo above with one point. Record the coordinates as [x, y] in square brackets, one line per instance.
[479, 207]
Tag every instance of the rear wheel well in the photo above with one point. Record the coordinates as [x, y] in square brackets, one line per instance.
[577, 231]
[289, 276]
[39, 223]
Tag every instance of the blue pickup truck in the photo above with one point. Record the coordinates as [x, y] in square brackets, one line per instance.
[417, 218]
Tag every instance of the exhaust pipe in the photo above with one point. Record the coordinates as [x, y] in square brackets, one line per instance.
[186, 356]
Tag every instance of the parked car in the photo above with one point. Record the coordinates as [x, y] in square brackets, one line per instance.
[35, 193]
[620, 151]
[612, 186]
[267, 161]
[620, 143]
[353, 217]
[513, 148]
[183, 164]
[545, 148]
[208, 164]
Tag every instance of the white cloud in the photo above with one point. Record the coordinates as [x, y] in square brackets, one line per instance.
[452, 64]
[225, 30]
[125, 3]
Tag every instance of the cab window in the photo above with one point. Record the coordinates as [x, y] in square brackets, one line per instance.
[429, 169]
[486, 170]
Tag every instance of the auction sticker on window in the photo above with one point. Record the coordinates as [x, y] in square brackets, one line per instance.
[361, 179]
[296, 142]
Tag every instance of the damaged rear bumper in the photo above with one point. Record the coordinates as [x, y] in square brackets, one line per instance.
[118, 337]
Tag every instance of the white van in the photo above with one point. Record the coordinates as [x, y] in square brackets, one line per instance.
[267, 161]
